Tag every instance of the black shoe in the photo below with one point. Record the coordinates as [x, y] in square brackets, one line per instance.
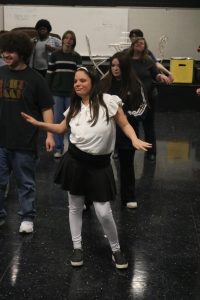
[151, 157]
[77, 258]
[119, 260]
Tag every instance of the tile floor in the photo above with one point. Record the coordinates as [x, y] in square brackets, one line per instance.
[161, 237]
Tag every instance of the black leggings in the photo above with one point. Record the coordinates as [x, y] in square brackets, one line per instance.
[127, 175]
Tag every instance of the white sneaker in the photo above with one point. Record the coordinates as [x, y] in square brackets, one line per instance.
[131, 204]
[26, 227]
[57, 155]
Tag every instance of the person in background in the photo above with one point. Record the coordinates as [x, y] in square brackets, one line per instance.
[2, 62]
[121, 81]
[44, 45]
[21, 89]
[146, 70]
[135, 33]
[85, 170]
[198, 90]
[60, 77]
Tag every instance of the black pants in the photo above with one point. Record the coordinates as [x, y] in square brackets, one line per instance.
[149, 125]
[127, 175]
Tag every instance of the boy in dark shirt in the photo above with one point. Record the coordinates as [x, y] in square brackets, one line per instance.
[21, 88]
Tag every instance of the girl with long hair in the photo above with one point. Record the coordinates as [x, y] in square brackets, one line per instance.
[85, 170]
[122, 81]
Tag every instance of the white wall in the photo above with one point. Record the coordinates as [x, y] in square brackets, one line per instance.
[1, 18]
[180, 25]
[105, 24]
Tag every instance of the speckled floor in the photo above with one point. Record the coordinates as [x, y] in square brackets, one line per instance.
[161, 238]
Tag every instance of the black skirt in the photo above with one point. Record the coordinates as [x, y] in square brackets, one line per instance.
[84, 174]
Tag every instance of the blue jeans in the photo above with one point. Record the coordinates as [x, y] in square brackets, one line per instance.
[61, 103]
[23, 165]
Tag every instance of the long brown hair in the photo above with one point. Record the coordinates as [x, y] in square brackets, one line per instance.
[130, 84]
[95, 99]
[73, 37]
[144, 54]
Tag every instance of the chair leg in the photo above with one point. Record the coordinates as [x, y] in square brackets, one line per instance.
[97, 68]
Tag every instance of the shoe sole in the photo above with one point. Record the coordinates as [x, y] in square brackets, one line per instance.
[26, 232]
[76, 264]
[132, 206]
[124, 266]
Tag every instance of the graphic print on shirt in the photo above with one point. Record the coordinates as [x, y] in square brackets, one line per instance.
[11, 90]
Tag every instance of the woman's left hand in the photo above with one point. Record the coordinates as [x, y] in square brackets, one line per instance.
[141, 145]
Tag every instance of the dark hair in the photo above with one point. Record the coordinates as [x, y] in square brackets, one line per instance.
[43, 23]
[95, 98]
[73, 37]
[130, 85]
[136, 33]
[18, 42]
[144, 54]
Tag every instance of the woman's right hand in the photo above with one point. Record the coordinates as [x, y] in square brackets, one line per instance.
[29, 119]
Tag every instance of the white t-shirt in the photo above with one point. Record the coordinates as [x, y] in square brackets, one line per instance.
[100, 138]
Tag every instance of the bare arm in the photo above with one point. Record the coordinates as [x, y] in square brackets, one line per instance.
[47, 115]
[163, 78]
[163, 70]
[48, 118]
[54, 128]
[128, 130]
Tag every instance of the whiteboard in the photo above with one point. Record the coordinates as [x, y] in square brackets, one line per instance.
[103, 25]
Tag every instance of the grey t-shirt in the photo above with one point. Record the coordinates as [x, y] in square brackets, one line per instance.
[41, 56]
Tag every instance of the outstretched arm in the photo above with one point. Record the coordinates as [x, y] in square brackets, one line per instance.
[166, 72]
[163, 78]
[128, 130]
[54, 128]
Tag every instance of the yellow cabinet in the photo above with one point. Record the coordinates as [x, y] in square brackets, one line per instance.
[182, 69]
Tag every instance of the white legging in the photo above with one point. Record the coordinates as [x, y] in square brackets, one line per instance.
[104, 214]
